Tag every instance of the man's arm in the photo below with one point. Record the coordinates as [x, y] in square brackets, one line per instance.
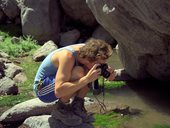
[63, 86]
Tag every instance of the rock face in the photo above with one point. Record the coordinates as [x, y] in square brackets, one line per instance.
[78, 10]
[41, 19]
[142, 31]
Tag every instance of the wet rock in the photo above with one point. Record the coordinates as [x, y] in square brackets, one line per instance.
[126, 110]
[69, 37]
[7, 86]
[42, 52]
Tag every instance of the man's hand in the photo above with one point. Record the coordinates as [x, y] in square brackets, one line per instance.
[93, 73]
[112, 73]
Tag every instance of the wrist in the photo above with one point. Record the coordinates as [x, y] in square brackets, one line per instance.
[85, 80]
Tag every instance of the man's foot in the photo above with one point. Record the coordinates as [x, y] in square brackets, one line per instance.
[79, 109]
[64, 113]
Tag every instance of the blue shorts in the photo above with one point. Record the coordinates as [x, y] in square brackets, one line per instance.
[45, 89]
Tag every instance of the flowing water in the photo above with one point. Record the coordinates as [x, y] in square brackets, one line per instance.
[150, 96]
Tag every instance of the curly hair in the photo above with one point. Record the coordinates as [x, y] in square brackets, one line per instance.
[95, 49]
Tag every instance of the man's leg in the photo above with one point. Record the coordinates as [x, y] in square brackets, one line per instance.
[63, 110]
[78, 102]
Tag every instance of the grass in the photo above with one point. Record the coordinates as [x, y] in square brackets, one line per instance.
[110, 84]
[24, 45]
[110, 120]
[161, 126]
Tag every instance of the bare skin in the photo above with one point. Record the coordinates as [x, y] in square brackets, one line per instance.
[73, 80]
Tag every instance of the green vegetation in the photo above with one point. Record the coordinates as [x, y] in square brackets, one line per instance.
[25, 45]
[110, 120]
[161, 126]
[110, 84]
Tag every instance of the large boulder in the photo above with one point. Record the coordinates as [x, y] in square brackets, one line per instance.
[46, 121]
[40, 18]
[21, 111]
[142, 31]
[78, 10]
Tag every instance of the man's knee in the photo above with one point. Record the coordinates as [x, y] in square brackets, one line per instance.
[78, 72]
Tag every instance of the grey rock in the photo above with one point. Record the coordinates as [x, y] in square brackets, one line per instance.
[5, 60]
[40, 19]
[21, 111]
[15, 40]
[33, 107]
[2, 67]
[78, 10]
[20, 78]
[122, 75]
[12, 70]
[69, 37]
[10, 8]
[8, 87]
[4, 55]
[2, 17]
[46, 121]
[101, 33]
[42, 52]
[140, 28]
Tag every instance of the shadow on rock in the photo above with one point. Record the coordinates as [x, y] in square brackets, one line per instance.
[58, 124]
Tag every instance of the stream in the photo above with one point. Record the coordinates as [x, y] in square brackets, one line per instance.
[150, 96]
